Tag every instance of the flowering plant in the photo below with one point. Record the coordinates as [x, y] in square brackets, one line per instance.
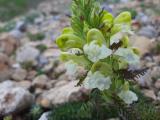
[99, 42]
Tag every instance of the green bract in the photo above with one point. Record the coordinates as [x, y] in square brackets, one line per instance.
[67, 41]
[99, 42]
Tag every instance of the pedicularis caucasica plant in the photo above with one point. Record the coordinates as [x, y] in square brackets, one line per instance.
[98, 42]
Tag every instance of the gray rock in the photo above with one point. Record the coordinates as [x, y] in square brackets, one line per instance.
[27, 54]
[148, 31]
[48, 67]
[39, 20]
[13, 99]
[155, 72]
[145, 80]
[40, 81]
[19, 74]
[31, 75]
[52, 63]
[25, 84]
[18, 31]
[38, 91]
[60, 69]
[21, 26]
[42, 60]
[8, 45]
[16, 34]
[125, 1]
[158, 95]
[157, 84]
[142, 18]
[5, 67]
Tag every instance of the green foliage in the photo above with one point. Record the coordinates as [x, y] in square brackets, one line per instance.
[144, 109]
[31, 17]
[41, 47]
[156, 49]
[35, 112]
[78, 111]
[8, 26]
[94, 109]
[11, 8]
[27, 65]
[8, 118]
[113, 1]
[40, 72]
[82, 21]
[97, 109]
[70, 111]
[36, 37]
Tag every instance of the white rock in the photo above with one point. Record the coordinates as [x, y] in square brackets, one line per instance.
[7, 84]
[61, 94]
[16, 66]
[27, 54]
[44, 116]
[149, 93]
[19, 74]
[13, 99]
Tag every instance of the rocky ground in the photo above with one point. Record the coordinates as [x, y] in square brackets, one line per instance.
[30, 72]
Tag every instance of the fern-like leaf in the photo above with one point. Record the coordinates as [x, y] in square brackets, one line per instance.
[132, 74]
[89, 19]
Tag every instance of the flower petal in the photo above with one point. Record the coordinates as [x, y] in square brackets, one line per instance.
[128, 55]
[96, 52]
[116, 38]
[128, 96]
[71, 67]
[97, 80]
